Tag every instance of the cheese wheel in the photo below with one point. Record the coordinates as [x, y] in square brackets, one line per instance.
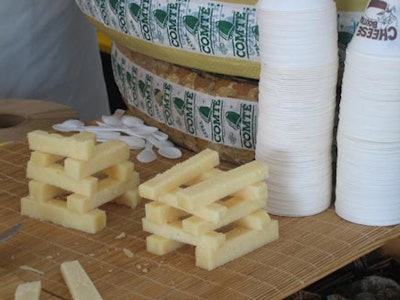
[198, 110]
[214, 36]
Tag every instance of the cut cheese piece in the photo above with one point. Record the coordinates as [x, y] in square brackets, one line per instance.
[105, 155]
[56, 211]
[239, 242]
[44, 159]
[108, 189]
[161, 213]
[222, 185]
[130, 198]
[179, 174]
[160, 245]
[40, 191]
[122, 171]
[212, 212]
[237, 208]
[55, 175]
[28, 291]
[79, 283]
[79, 146]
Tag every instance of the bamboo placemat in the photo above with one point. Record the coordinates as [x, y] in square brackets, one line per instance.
[309, 249]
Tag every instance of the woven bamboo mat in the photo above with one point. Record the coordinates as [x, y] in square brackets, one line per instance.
[308, 249]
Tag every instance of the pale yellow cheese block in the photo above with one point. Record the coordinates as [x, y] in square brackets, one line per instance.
[105, 155]
[161, 213]
[79, 146]
[160, 245]
[122, 171]
[130, 198]
[40, 191]
[179, 174]
[79, 284]
[221, 185]
[56, 211]
[28, 291]
[239, 242]
[108, 190]
[212, 212]
[174, 231]
[45, 159]
[237, 208]
[55, 175]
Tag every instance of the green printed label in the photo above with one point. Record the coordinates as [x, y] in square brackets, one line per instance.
[148, 95]
[145, 26]
[205, 31]
[220, 120]
[216, 121]
[166, 103]
[190, 117]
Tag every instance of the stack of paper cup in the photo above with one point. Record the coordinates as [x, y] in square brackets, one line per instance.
[297, 99]
[368, 167]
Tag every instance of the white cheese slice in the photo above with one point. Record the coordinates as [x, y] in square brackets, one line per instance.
[79, 284]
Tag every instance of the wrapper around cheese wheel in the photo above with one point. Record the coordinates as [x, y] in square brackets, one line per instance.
[196, 109]
[213, 36]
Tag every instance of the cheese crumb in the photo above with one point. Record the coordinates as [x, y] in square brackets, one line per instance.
[28, 268]
[128, 252]
[120, 236]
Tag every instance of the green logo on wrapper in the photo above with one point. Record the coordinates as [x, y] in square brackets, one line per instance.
[179, 105]
[225, 29]
[205, 113]
[245, 122]
[213, 116]
[191, 24]
[135, 11]
[233, 119]
[161, 17]
[113, 5]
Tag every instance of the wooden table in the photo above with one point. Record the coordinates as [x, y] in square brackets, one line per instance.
[309, 249]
